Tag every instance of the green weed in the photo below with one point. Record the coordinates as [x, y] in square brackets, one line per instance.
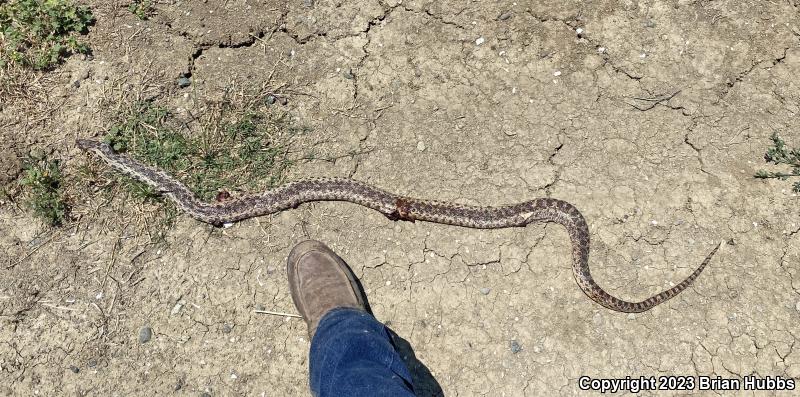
[39, 33]
[244, 147]
[43, 180]
[779, 154]
[143, 9]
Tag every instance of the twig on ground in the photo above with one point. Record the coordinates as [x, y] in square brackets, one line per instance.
[277, 313]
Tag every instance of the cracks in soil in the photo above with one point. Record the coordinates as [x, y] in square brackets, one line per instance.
[438, 18]
[741, 76]
[782, 260]
[366, 32]
[697, 150]
[302, 40]
[200, 48]
[558, 168]
[573, 24]
[652, 102]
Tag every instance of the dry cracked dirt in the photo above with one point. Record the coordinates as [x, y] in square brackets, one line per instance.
[650, 117]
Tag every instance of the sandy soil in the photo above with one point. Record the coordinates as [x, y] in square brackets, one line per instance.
[650, 117]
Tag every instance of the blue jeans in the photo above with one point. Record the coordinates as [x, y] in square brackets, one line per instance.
[353, 355]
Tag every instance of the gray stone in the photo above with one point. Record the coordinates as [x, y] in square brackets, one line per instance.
[145, 334]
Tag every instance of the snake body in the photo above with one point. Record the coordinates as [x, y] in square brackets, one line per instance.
[395, 207]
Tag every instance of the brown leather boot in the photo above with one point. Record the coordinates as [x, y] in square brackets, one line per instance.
[320, 281]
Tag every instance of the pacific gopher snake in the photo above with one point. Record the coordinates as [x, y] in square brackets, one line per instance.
[394, 207]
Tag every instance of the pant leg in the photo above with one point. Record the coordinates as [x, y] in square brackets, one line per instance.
[352, 355]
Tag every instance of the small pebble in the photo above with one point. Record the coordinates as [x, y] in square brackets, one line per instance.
[421, 146]
[631, 316]
[177, 308]
[184, 82]
[504, 16]
[178, 384]
[797, 307]
[270, 99]
[309, 3]
[557, 73]
[145, 334]
[92, 363]
[283, 101]
[486, 291]
[601, 49]
[515, 347]
[579, 31]
[479, 41]
[348, 74]
[226, 329]
[733, 242]
[74, 369]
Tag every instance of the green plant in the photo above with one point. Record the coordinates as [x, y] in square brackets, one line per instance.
[43, 180]
[143, 9]
[242, 146]
[780, 154]
[39, 33]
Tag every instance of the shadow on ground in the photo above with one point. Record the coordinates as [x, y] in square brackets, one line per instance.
[425, 385]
